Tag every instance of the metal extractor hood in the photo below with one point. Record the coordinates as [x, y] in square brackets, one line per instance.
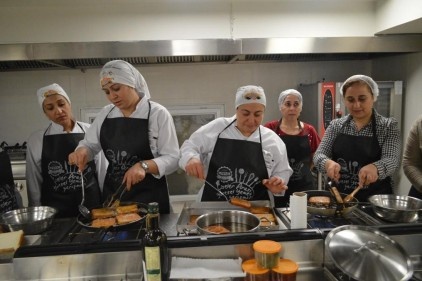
[84, 55]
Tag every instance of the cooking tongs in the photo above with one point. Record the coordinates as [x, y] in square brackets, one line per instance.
[333, 189]
[116, 196]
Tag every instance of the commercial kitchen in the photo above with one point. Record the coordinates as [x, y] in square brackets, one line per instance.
[194, 55]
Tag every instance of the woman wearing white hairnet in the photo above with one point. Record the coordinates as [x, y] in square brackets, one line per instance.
[301, 141]
[51, 180]
[137, 136]
[363, 147]
[238, 156]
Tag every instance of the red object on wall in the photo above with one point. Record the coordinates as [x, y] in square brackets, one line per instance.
[327, 105]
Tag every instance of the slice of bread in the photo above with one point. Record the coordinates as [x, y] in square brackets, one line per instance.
[11, 241]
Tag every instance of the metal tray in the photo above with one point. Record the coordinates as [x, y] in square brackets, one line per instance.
[185, 226]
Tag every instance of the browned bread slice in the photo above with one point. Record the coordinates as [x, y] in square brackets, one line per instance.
[127, 218]
[132, 208]
[104, 222]
[102, 213]
[217, 229]
[323, 200]
[240, 202]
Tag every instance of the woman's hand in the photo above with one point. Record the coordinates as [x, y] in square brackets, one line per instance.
[275, 184]
[333, 170]
[79, 158]
[134, 175]
[368, 174]
[194, 168]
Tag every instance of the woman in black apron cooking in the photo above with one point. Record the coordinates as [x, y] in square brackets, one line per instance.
[237, 156]
[51, 180]
[137, 136]
[301, 141]
[363, 147]
[10, 198]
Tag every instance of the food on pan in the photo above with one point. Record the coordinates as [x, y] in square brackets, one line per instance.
[320, 200]
[132, 208]
[102, 213]
[127, 218]
[259, 210]
[113, 216]
[192, 219]
[240, 202]
[266, 219]
[217, 229]
[105, 222]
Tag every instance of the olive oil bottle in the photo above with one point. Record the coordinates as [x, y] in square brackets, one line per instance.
[155, 250]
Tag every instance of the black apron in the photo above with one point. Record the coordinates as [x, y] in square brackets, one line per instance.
[354, 152]
[8, 200]
[61, 187]
[237, 169]
[299, 154]
[125, 142]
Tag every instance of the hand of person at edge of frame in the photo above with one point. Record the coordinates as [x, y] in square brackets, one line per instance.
[194, 168]
[275, 184]
[79, 158]
[134, 175]
[333, 170]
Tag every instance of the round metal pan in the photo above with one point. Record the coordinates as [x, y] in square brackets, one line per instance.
[396, 208]
[142, 211]
[331, 209]
[232, 220]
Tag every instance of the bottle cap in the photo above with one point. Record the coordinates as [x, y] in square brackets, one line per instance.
[153, 207]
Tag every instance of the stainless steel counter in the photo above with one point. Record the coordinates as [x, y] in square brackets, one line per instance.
[42, 259]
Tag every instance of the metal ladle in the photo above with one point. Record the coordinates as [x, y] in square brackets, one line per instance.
[82, 209]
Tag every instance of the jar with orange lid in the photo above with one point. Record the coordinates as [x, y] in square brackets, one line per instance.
[255, 273]
[286, 270]
[267, 253]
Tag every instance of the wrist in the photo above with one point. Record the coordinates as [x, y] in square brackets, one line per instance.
[145, 166]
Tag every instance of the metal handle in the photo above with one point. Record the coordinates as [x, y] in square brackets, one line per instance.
[370, 245]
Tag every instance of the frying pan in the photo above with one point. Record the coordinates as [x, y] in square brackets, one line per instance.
[331, 209]
[142, 211]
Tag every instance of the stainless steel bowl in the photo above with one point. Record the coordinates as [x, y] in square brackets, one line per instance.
[396, 208]
[234, 221]
[32, 220]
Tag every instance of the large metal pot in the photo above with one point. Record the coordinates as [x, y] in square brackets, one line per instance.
[396, 208]
[32, 220]
[331, 209]
[233, 220]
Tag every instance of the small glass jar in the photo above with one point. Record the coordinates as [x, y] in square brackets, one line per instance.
[286, 270]
[255, 273]
[267, 253]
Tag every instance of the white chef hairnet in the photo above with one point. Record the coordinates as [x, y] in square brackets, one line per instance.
[53, 89]
[250, 94]
[361, 78]
[283, 95]
[122, 72]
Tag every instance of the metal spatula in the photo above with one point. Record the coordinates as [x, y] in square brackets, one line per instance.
[352, 194]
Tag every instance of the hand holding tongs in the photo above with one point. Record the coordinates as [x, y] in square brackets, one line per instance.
[113, 199]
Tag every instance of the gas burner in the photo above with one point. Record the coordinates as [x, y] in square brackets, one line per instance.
[363, 215]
